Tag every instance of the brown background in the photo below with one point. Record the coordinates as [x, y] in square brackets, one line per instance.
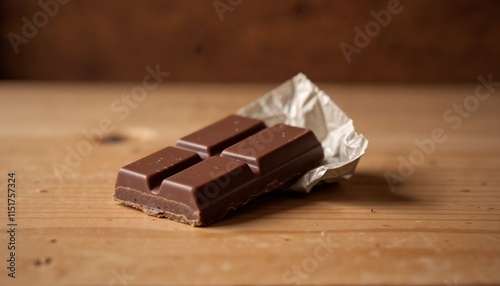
[429, 41]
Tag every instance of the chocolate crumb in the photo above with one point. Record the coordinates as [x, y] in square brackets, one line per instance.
[42, 261]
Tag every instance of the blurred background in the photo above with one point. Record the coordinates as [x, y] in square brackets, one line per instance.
[250, 40]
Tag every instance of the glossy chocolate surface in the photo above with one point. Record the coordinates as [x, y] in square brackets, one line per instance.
[217, 169]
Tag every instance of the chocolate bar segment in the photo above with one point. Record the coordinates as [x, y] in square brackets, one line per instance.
[202, 192]
[146, 174]
[273, 147]
[212, 139]
[199, 186]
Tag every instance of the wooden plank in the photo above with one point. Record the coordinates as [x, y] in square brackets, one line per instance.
[440, 226]
[254, 41]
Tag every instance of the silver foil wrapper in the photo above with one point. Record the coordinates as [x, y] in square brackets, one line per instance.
[299, 102]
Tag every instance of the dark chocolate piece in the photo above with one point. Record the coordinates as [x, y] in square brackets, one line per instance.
[212, 139]
[179, 185]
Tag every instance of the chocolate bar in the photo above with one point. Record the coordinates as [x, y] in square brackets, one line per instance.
[217, 169]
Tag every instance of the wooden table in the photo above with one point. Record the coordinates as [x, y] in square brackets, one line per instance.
[440, 226]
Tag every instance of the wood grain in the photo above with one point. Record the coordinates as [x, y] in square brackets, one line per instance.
[439, 227]
[256, 41]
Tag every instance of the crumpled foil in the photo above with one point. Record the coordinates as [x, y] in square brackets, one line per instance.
[299, 102]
